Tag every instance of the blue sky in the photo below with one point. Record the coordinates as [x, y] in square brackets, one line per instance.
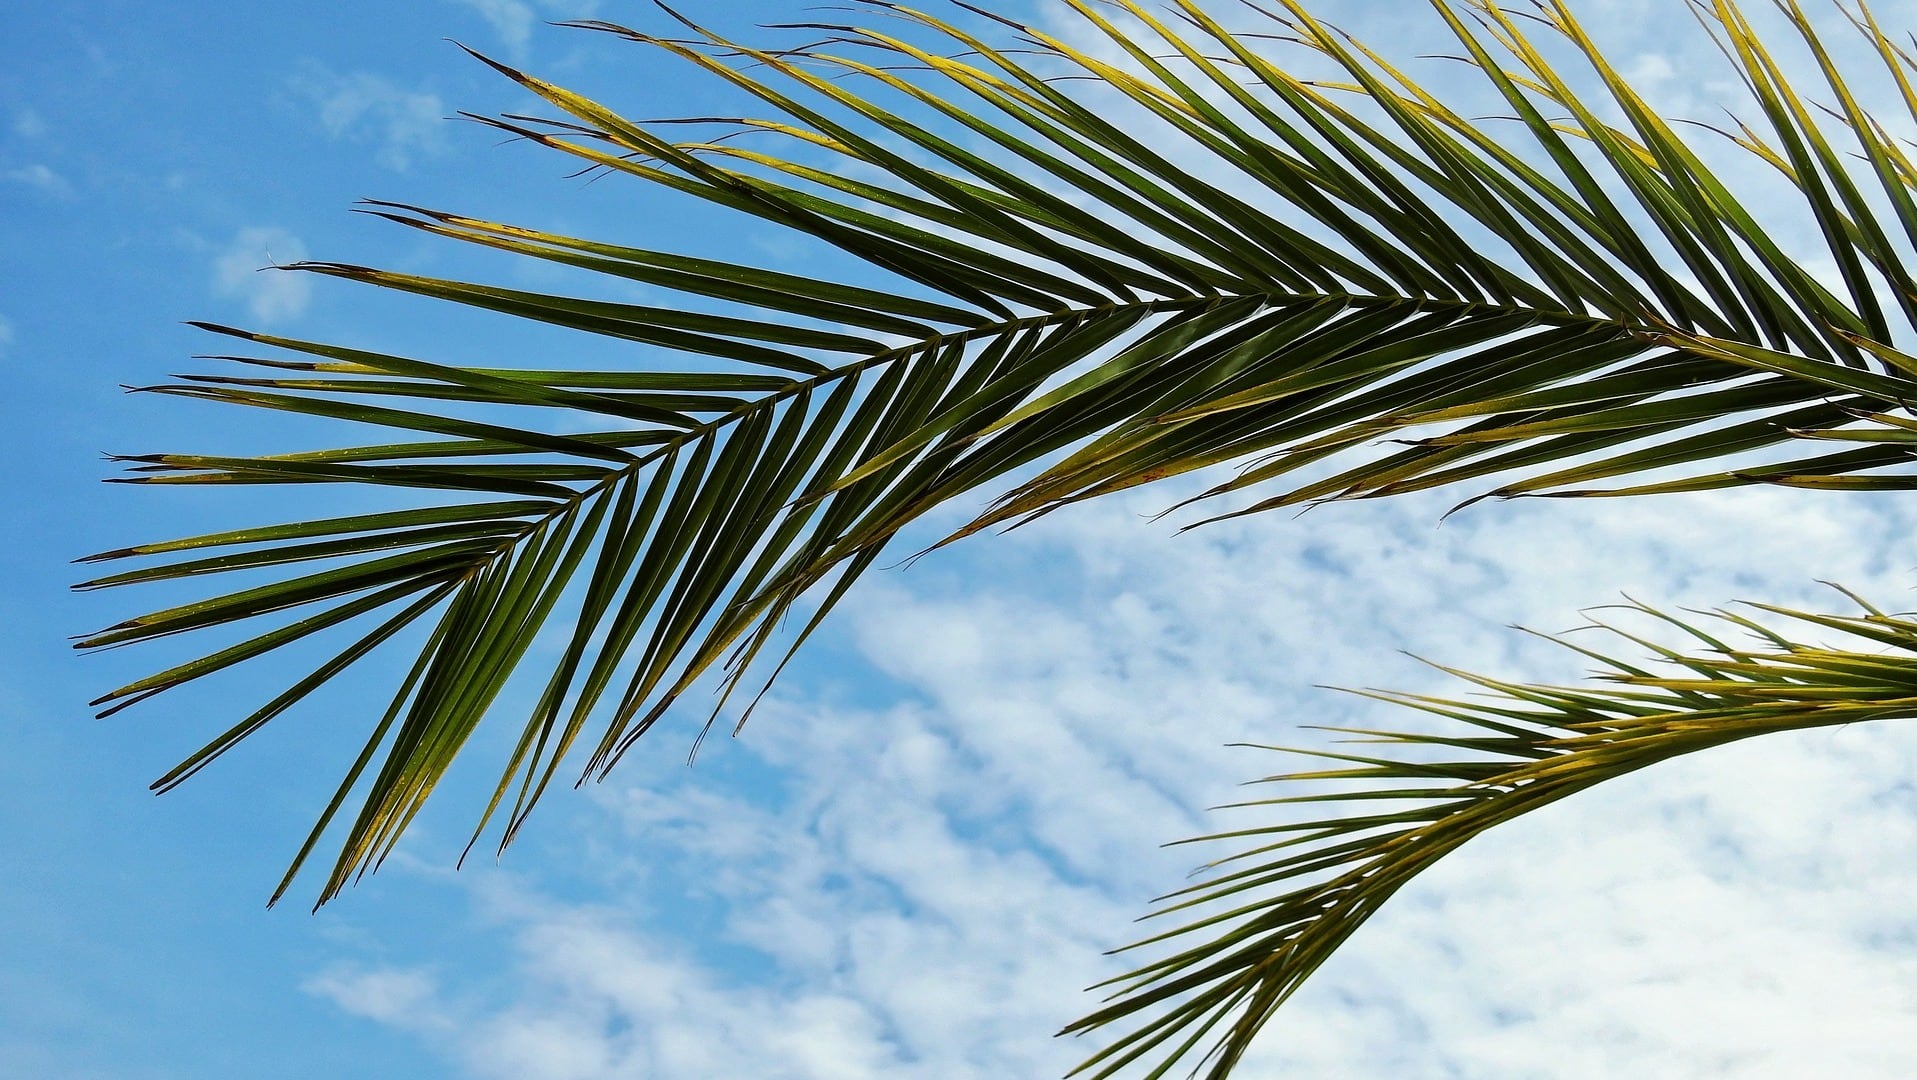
[909, 863]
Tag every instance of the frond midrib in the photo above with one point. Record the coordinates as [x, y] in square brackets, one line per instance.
[1159, 305]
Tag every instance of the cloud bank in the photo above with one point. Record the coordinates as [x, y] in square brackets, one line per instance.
[927, 885]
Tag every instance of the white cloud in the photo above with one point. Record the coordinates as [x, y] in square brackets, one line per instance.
[7, 336]
[29, 124]
[244, 271]
[930, 888]
[370, 108]
[400, 997]
[513, 20]
[40, 177]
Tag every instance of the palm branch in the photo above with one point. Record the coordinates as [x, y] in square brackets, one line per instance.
[1386, 296]
[1281, 906]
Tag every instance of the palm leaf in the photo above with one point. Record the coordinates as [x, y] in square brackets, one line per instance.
[1276, 910]
[1387, 297]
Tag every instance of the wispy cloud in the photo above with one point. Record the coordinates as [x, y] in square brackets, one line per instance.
[7, 336]
[40, 177]
[363, 107]
[513, 20]
[400, 997]
[242, 271]
[932, 881]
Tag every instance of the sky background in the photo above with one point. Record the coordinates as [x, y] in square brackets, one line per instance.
[909, 863]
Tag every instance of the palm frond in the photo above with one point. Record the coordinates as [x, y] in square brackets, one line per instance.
[1276, 910]
[1376, 295]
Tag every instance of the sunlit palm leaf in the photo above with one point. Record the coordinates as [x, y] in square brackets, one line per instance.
[1278, 909]
[1094, 266]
